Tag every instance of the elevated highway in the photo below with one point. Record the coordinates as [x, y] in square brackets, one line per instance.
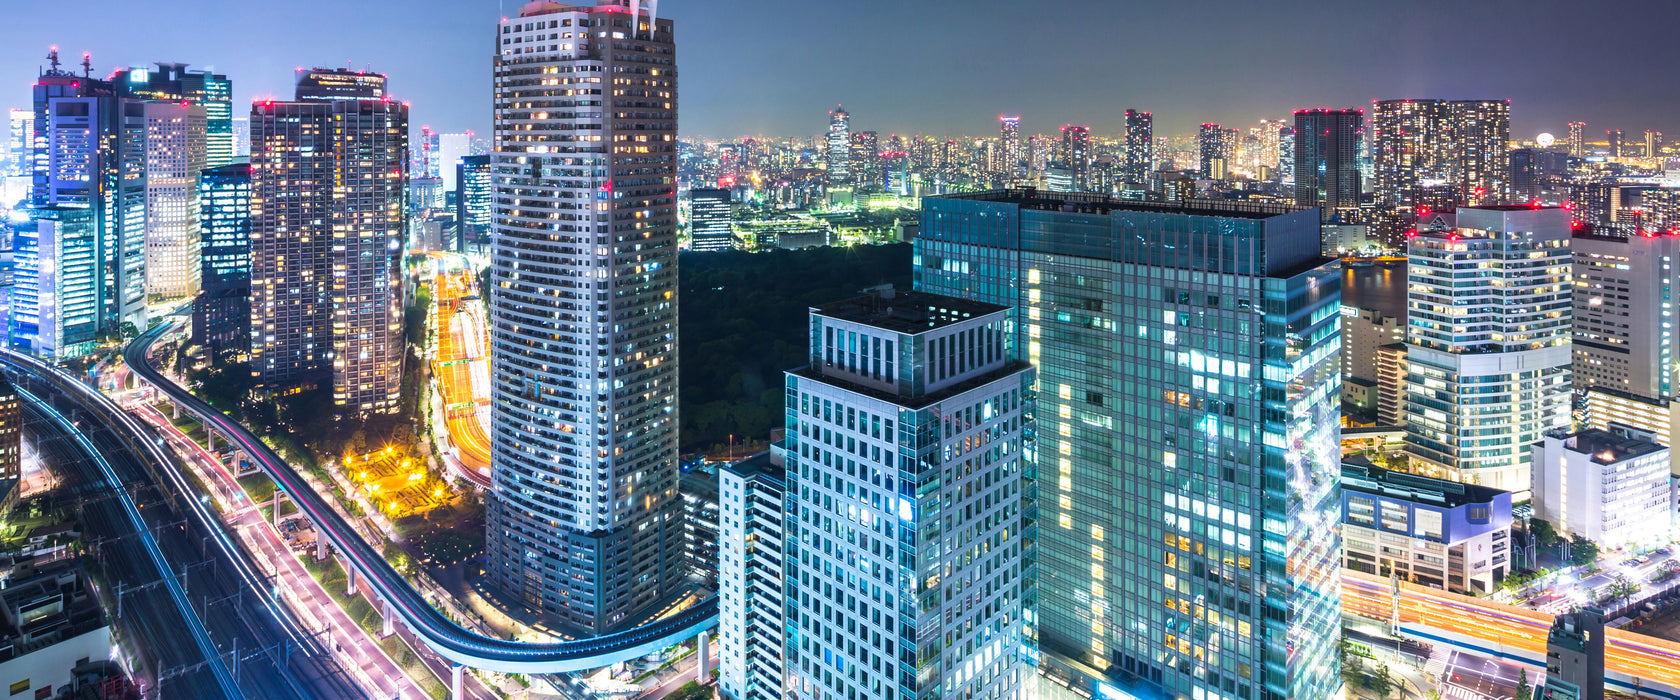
[365, 566]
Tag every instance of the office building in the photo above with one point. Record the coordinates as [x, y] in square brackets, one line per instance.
[1525, 175]
[1608, 486]
[1614, 137]
[175, 155]
[20, 143]
[1327, 159]
[752, 552]
[1169, 293]
[1653, 143]
[1575, 657]
[1140, 148]
[222, 313]
[1391, 385]
[172, 82]
[710, 220]
[1489, 311]
[1404, 147]
[1286, 159]
[329, 172]
[585, 528]
[56, 283]
[1460, 145]
[908, 455]
[839, 147]
[90, 154]
[1577, 141]
[1478, 150]
[474, 203]
[866, 164]
[1431, 532]
[451, 149]
[51, 622]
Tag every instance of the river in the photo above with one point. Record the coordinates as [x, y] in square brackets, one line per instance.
[1380, 288]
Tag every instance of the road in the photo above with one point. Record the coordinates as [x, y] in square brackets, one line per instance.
[375, 671]
[1564, 592]
[461, 646]
[460, 364]
[213, 600]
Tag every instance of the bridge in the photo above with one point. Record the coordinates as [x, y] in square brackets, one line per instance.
[1632, 662]
[399, 600]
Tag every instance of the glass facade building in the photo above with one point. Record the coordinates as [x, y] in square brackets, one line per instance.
[474, 203]
[1188, 433]
[222, 314]
[710, 220]
[55, 296]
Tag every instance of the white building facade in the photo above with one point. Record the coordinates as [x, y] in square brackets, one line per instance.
[1609, 486]
[750, 575]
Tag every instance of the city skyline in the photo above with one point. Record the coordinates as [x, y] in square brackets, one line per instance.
[752, 72]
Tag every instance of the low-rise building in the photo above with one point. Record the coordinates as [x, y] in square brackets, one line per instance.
[1391, 384]
[1427, 531]
[699, 489]
[52, 625]
[1609, 486]
[1575, 658]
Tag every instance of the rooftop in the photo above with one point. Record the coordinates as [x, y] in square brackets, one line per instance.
[1374, 480]
[906, 312]
[1610, 446]
[757, 465]
[1088, 203]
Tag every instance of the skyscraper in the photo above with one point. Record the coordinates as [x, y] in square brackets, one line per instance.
[1489, 353]
[328, 175]
[1653, 143]
[752, 551]
[1140, 146]
[1614, 137]
[222, 313]
[56, 282]
[1577, 139]
[1403, 149]
[1210, 139]
[1479, 142]
[89, 153]
[172, 82]
[585, 525]
[1013, 155]
[1327, 159]
[1076, 155]
[1463, 144]
[1286, 158]
[865, 164]
[20, 144]
[709, 220]
[474, 202]
[839, 147]
[451, 149]
[175, 143]
[1188, 444]
[1623, 328]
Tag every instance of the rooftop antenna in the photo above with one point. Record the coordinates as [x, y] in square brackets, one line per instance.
[87, 64]
[52, 58]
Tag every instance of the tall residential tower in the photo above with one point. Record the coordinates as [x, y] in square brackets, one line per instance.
[585, 522]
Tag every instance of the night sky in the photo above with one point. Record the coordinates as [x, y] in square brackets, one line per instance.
[942, 66]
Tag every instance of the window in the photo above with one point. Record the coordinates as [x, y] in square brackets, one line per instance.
[1361, 511]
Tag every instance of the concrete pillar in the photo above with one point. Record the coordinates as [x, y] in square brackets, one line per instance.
[702, 675]
[320, 546]
[174, 410]
[390, 620]
[349, 577]
[457, 682]
[210, 439]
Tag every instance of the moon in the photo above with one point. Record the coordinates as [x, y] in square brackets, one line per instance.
[1545, 140]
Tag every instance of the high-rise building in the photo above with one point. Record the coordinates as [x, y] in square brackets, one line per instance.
[1076, 155]
[1212, 150]
[839, 147]
[1189, 448]
[329, 171]
[222, 313]
[1525, 175]
[11, 438]
[428, 159]
[914, 424]
[585, 528]
[752, 552]
[1013, 155]
[474, 202]
[1614, 137]
[1327, 159]
[20, 144]
[1271, 145]
[1653, 143]
[56, 282]
[1489, 311]
[1363, 331]
[710, 220]
[1463, 144]
[172, 82]
[451, 149]
[1624, 318]
[865, 165]
[1577, 139]
[1286, 158]
[1140, 146]
[89, 153]
[242, 137]
[1575, 657]
[175, 143]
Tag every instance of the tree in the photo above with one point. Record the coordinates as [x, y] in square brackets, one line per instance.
[1582, 551]
[1523, 691]
[1543, 532]
[1382, 682]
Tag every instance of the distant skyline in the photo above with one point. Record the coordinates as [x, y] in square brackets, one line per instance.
[946, 67]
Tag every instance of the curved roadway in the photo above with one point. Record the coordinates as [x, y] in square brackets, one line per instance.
[447, 638]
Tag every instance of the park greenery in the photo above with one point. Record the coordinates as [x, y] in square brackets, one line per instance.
[743, 322]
